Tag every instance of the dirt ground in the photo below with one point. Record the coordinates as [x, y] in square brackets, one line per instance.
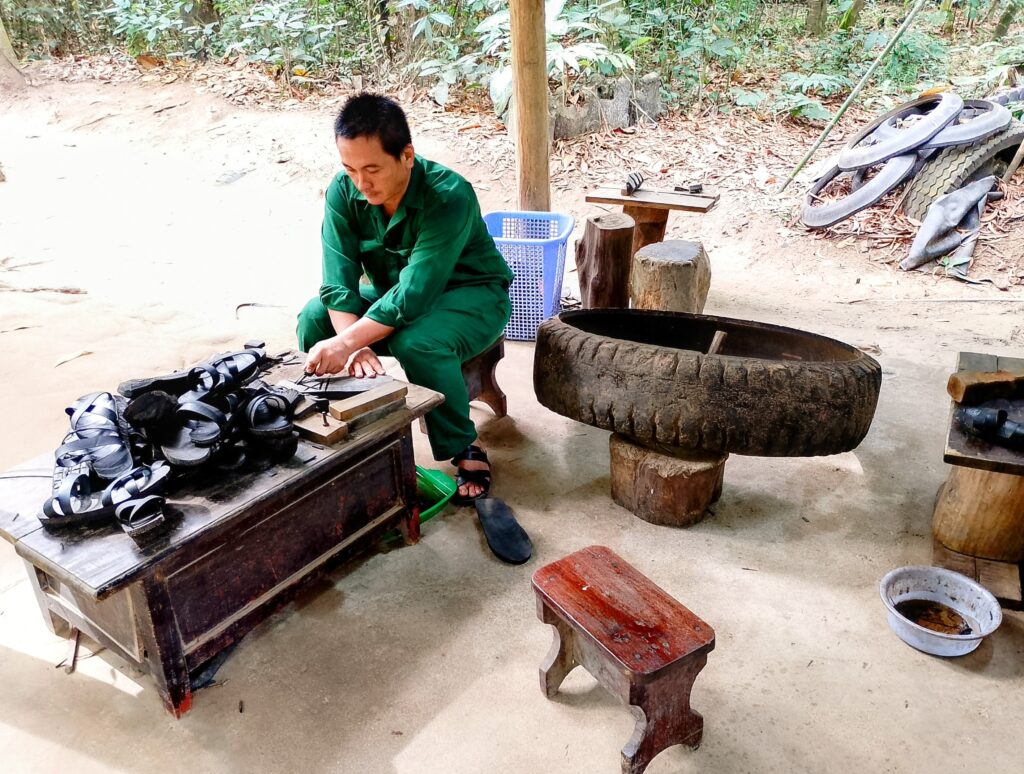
[135, 220]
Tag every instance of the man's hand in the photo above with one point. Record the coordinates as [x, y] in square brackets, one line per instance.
[329, 356]
[365, 363]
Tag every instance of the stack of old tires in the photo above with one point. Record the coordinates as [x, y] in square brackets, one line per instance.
[935, 144]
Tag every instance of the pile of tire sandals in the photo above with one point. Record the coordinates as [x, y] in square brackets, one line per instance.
[124, 451]
[949, 153]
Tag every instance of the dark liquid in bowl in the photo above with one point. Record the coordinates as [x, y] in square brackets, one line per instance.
[933, 615]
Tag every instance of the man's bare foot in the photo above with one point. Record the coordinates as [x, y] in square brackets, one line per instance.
[475, 470]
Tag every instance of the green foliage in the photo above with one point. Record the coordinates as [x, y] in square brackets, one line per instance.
[822, 84]
[799, 105]
[710, 53]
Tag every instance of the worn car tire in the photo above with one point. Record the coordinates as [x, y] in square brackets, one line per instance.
[945, 108]
[643, 374]
[985, 118]
[893, 172]
[954, 167]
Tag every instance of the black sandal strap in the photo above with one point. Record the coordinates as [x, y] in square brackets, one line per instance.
[478, 477]
[472, 453]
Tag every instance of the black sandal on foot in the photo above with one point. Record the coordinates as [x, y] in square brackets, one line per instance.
[481, 478]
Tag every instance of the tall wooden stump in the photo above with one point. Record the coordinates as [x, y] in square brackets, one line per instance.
[603, 259]
[664, 487]
[981, 514]
[672, 276]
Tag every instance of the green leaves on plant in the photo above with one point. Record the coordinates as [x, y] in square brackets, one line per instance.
[823, 84]
[745, 98]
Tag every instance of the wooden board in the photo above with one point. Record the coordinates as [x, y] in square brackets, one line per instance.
[658, 200]
[322, 428]
[350, 408]
[970, 451]
[1001, 578]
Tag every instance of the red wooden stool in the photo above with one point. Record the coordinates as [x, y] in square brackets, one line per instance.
[635, 639]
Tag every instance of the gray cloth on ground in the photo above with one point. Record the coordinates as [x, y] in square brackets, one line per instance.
[952, 224]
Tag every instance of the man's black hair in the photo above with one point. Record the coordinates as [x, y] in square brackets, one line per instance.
[374, 115]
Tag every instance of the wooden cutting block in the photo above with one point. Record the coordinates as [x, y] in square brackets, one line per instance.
[371, 416]
[350, 408]
[313, 428]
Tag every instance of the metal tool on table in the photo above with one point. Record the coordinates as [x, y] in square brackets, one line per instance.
[334, 387]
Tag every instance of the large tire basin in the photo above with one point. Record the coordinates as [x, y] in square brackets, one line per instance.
[768, 391]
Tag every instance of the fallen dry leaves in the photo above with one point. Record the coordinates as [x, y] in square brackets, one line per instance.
[742, 156]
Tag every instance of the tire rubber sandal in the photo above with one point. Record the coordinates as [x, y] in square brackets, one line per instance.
[175, 384]
[481, 478]
[181, 451]
[507, 539]
[223, 374]
[268, 415]
[95, 438]
[73, 503]
[264, 453]
[137, 498]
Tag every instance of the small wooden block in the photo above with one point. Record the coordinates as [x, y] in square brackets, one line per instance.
[350, 408]
[973, 387]
[371, 416]
[313, 429]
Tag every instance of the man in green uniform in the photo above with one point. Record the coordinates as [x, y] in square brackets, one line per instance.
[438, 287]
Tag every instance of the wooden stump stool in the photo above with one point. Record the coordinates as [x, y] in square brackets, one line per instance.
[603, 259]
[636, 640]
[672, 276]
[664, 486]
[479, 375]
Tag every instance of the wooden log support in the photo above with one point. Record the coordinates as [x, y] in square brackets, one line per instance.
[981, 513]
[530, 95]
[1003, 579]
[603, 259]
[672, 276]
[664, 487]
[650, 225]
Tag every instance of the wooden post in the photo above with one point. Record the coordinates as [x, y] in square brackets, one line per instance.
[603, 261]
[650, 224]
[672, 276]
[981, 513]
[530, 92]
[10, 77]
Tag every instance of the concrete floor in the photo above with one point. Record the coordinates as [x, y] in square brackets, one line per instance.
[423, 659]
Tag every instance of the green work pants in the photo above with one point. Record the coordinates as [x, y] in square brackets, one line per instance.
[431, 349]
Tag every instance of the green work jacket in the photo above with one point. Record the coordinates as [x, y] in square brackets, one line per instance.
[435, 241]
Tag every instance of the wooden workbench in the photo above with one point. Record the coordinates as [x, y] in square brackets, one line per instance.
[650, 209]
[968, 450]
[978, 521]
[237, 546]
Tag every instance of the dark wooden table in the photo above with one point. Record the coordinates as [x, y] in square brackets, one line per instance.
[971, 451]
[237, 546]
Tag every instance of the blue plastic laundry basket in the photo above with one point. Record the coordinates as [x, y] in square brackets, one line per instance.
[533, 245]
